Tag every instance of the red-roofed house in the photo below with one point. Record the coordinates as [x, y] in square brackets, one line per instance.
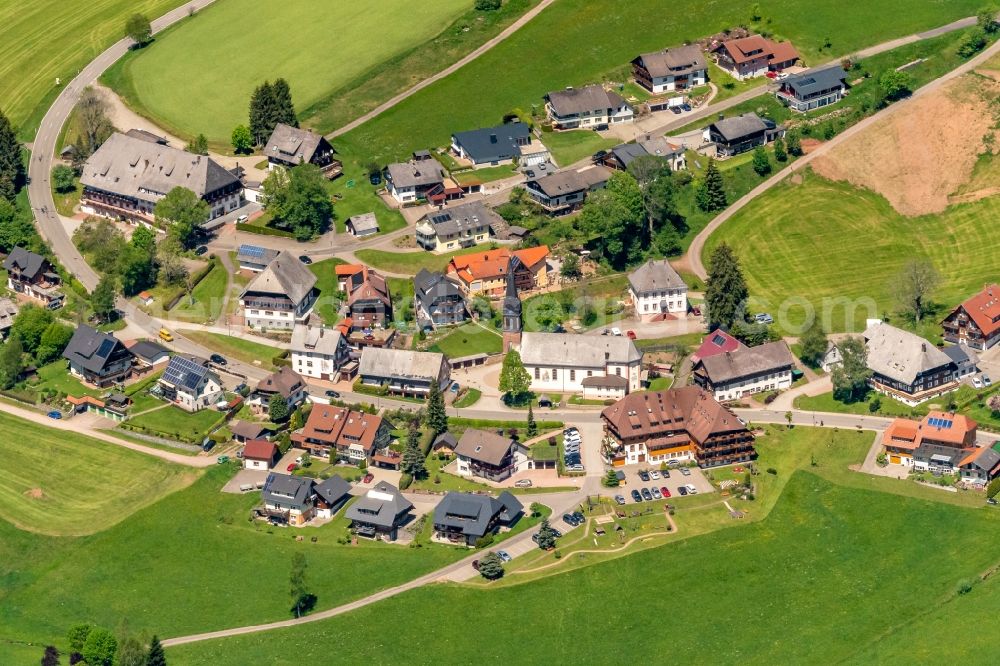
[486, 272]
[343, 434]
[976, 322]
[940, 441]
[716, 342]
[259, 454]
[752, 56]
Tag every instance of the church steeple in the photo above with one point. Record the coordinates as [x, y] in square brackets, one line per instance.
[511, 309]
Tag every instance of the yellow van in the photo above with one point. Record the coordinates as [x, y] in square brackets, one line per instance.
[165, 335]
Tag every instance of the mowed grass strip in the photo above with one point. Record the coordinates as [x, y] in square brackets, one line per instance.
[575, 42]
[837, 248]
[46, 39]
[247, 351]
[204, 304]
[410, 263]
[219, 57]
[62, 483]
[467, 340]
[827, 571]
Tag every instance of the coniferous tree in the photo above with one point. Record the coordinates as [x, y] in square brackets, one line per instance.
[51, 656]
[284, 110]
[156, 656]
[413, 457]
[726, 290]
[711, 193]
[532, 429]
[761, 162]
[12, 172]
[261, 113]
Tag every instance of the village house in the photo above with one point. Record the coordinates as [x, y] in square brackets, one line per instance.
[342, 434]
[976, 322]
[259, 454]
[189, 384]
[965, 360]
[418, 179]
[283, 383]
[288, 500]
[590, 107]
[980, 466]
[96, 358]
[490, 455]
[362, 225]
[331, 495]
[8, 311]
[740, 134]
[245, 431]
[148, 354]
[669, 70]
[380, 512]
[491, 146]
[675, 425]
[598, 366]
[940, 442]
[369, 302]
[622, 155]
[254, 258]
[464, 225]
[404, 372]
[716, 342]
[813, 89]
[439, 301]
[485, 273]
[906, 367]
[466, 517]
[127, 176]
[290, 146]
[657, 291]
[279, 297]
[564, 191]
[753, 56]
[747, 370]
[320, 352]
[32, 275]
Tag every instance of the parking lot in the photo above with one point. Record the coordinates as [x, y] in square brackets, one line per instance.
[676, 479]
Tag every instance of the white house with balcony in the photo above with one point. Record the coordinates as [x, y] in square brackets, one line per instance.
[590, 107]
[657, 290]
[280, 296]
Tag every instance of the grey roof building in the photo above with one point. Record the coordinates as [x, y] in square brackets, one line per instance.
[739, 134]
[289, 146]
[676, 62]
[409, 180]
[288, 491]
[565, 190]
[734, 374]
[8, 310]
[579, 350]
[98, 358]
[381, 511]
[813, 88]
[26, 263]
[149, 353]
[491, 145]
[255, 258]
[463, 225]
[624, 154]
[439, 300]
[403, 371]
[467, 517]
[281, 295]
[331, 494]
[655, 275]
[589, 100]
[362, 225]
[906, 365]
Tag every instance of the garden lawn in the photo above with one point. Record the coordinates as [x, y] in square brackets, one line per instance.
[247, 351]
[56, 377]
[468, 399]
[575, 42]
[842, 262]
[239, 45]
[173, 422]
[825, 402]
[825, 575]
[59, 482]
[201, 538]
[329, 296]
[575, 145]
[48, 39]
[207, 296]
[410, 263]
[484, 175]
[467, 340]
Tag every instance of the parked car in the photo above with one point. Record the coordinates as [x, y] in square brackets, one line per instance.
[579, 517]
[201, 249]
[208, 445]
[763, 318]
[522, 483]
[617, 332]
[630, 335]
[242, 218]
[695, 310]
[304, 258]
[676, 109]
[570, 519]
[665, 491]
[54, 414]
[656, 493]
[691, 489]
[298, 461]
[332, 394]
[654, 475]
[636, 497]
[556, 532]
[977, 382]
[239, 387]
[239, 454]
[685, 471]
[665, 473]
[291, 467]
[504, 556]
[685, 107]
[218, 359]
[369, 477]
[620, 499]
[165, 335]
[682, 490]
[643, 475]
[986, 380]
[646, 495]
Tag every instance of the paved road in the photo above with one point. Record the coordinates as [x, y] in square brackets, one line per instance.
[507, 32]
[693, 261]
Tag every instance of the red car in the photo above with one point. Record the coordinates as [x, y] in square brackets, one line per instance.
[292, 467]
[630, 334]
[695, 310]
[369, 477]
[665, 491]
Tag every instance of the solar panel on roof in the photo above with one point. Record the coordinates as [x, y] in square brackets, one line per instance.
[183, 372]
[718, 340]
[105, 348]
[252, 251]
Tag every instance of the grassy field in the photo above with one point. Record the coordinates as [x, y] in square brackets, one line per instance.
[410, 263]
[317, 47]
[589, 40]
[825, 576]
[326, 281]
[574, 145]
[467, 340]
[842, 266]
[172, 421]
[48, 39]
[62, 483]
[55, 377]
[233, 571]
[247, 351]
[204, 305]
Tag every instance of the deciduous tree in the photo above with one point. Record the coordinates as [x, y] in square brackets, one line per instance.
[102, 300]
[761, 162]
[12, 171]
[93, 121]
[11, 362]
[138, 28]
[895, 85]
[99, 648]
[182, 211]
[16, 227]
[850, 378]
[29, 326]
[914, 285]
[570, 267]
[277, 409]
[302, 600]
[814, 344]
[242, 140]
[515, 382]
[794, 142]
[130, 652]
[63, 178]
[199, 145]
[726, 290]
[53, 342]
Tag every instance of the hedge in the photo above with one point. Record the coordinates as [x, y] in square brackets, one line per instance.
[263, 231]
[198, 277]
[404, 481]
[486, 423]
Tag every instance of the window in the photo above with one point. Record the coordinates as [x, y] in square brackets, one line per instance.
[618, 371]
[538, 373]
[572, 375]
[555, 373]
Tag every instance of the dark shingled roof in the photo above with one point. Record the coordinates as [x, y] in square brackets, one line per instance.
[92, 350]
[472, 514]
[381, 506]
[583, 100]
[738, 127]
[27, 263]
[676, 61]
[492, 144]
[815, 80]
[287, 490]
[333, 490]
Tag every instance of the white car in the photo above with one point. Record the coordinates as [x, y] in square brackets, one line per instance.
[653, 474]
[616, 331]
[691, 489]
[977, 382]
[522, 483]
[242, 218]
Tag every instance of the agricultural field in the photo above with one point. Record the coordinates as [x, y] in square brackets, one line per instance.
[65, 484]
[837, 248]
[832, 539]
[199, 536]
[595, 39]
[49, 39]
[317, 47]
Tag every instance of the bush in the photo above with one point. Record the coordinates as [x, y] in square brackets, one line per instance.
[484, 541]
[772, 471]
[404, 481]
[964, 586]
[487, 5]
[875, 404]
[993, 488]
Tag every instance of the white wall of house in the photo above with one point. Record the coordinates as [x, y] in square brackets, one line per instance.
[567, 379]
[255, 464]
[771, 382]
[311, 364]
[403, 194]
[663, 84]
[278, 319]
[602, 393]
[648, 302]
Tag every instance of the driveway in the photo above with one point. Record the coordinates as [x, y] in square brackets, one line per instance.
[245, 477]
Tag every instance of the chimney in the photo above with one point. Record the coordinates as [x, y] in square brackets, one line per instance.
[493, 138]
